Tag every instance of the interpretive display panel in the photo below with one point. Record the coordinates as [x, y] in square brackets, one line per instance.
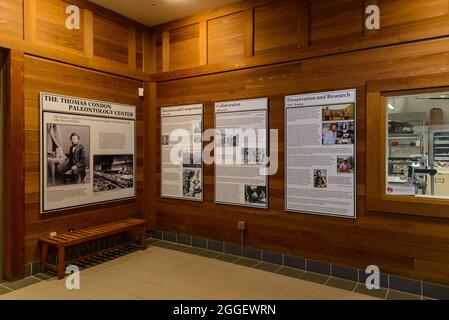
[241, 152]
[87, 152]
[320, 153]
[181, 152]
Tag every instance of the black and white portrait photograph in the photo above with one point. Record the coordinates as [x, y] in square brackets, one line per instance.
[192, 159]
[68, 154]
[165, 140]
[320, 178]
[192, 183]
[113, 172]
[255, 194]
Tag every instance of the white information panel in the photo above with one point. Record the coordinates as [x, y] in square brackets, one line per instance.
[320, 163]
[87, 152]
[183, 178]
[241, 152]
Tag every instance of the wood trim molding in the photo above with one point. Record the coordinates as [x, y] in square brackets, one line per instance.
[132, 63]
[29, 20]
[377, 200]
[303, 24]
[14, 200]
[150, 114]
[287, 57]
[46, 52]
[109, 14]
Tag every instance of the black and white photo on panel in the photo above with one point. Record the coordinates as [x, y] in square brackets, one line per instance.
[113, 172]
[68, 154]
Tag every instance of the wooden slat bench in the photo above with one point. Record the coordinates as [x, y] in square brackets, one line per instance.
[65, 240]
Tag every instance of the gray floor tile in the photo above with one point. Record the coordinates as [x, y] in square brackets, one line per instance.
[397, 295]
[163, 244]
[4, 290]
[227, 258]
[21, 283]
[341, 284]
[266, 266]
[381, 293]
[247, 262]
[314, 277]
[290, 272]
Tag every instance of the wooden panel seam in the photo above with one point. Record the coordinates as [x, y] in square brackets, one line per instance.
[29, 20]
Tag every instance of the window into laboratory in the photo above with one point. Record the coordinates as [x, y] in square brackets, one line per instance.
[418, 145]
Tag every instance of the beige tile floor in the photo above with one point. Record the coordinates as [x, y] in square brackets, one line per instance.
[164, 273]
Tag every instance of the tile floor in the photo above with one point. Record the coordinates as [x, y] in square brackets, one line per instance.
[172, 271]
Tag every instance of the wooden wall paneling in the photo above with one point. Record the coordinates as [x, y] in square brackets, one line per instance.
[401, 12]
[203, 42]
[88, 34]
[165, 51]
[238, 6]
[44, 75]
[110, 40]
[226, 38]
[132, 49]
[184, 47]
[303, 23]
[139, 50]
[51, 27]
[159, 54]
[29, 20]
[276, 27]
[13, 232]
[335, 20]
[11, 17]
[413, 247]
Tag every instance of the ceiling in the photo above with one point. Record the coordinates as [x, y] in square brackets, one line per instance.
[154, 12]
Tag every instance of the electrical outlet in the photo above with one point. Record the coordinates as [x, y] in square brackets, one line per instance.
[53, 234]
[241, 225]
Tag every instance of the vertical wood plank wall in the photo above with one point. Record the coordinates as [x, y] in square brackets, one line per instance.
[248, 49]
[272, 49]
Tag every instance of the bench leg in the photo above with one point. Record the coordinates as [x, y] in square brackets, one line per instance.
[61, 262]
[144, 237]
[44, 257]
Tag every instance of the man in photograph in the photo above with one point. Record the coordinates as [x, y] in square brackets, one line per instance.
[319, 180]
[345, 166]
[327, 114]
[330, 137]
[75, 170]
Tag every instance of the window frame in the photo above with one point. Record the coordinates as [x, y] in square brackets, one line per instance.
[376, 121]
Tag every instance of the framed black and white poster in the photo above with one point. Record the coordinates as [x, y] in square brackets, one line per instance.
[320, 153]
[181, 134]
[87, 152]
[240, 152]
